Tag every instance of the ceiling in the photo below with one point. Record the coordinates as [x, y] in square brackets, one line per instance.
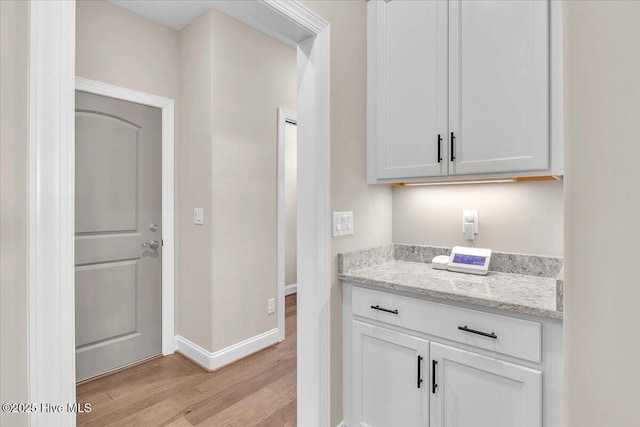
[175, 14]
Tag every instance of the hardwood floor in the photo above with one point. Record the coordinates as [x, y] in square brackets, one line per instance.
[259, 390]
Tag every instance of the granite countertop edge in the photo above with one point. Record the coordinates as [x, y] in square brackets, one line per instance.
[468, 299]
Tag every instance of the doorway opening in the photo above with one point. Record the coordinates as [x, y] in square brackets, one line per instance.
[287, 280]
[51, 282]
[243, 212]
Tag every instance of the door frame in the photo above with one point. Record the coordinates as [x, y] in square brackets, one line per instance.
[284, 116]
[167, 106]
[51, 200]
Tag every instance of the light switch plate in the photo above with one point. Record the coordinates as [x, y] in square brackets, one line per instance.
[342, 223]
[198, 216]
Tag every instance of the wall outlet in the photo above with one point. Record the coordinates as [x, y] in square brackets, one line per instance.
[469, 215]
[271, 305]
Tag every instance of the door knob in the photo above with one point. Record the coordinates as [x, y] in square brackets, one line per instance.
[153, 227]
[153, 244]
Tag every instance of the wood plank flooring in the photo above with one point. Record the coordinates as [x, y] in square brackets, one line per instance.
[259, 390]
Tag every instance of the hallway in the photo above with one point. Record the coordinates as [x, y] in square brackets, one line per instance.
[259, 390]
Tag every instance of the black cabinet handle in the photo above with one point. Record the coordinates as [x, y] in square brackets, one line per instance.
[386, 310]
[453, 154]
[473, 331]
[439, 143]
[434, 386]
[419, 370]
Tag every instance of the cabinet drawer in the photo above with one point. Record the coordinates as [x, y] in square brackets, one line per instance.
[501, 334]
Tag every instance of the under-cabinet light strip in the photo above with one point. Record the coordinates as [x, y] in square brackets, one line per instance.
[479, 181]
[493, 181]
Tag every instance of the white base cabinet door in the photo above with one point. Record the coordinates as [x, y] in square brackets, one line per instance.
[390, 378]
[471, 390]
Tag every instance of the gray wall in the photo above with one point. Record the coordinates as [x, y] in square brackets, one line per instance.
[14, 179]
[118, 47]
[253, 75]
[602, 373]
[233, 80]
[195, 291]
[522, 217]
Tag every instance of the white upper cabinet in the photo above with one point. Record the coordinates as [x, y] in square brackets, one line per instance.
[484, 76]
[499, 85]
[407, 57]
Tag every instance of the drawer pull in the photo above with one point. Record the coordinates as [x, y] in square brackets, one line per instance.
[419, 370]
[473, 331]
[386, 310]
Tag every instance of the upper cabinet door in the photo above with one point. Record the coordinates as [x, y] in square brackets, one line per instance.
[408, 87]
[499, 86]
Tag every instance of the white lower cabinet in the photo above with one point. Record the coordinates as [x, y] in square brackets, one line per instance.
[410, 362]
[473, 390]
[390, 378]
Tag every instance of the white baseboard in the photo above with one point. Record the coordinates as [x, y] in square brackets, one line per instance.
[290, 289]
[218, 359]
[342, 424]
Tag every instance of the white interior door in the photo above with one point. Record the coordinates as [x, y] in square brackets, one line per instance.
[499, 85]
[118, 233]
[412, 93]
[390, 378]
[478, 391]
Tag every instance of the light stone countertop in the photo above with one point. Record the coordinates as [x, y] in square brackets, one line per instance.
[506, 291]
